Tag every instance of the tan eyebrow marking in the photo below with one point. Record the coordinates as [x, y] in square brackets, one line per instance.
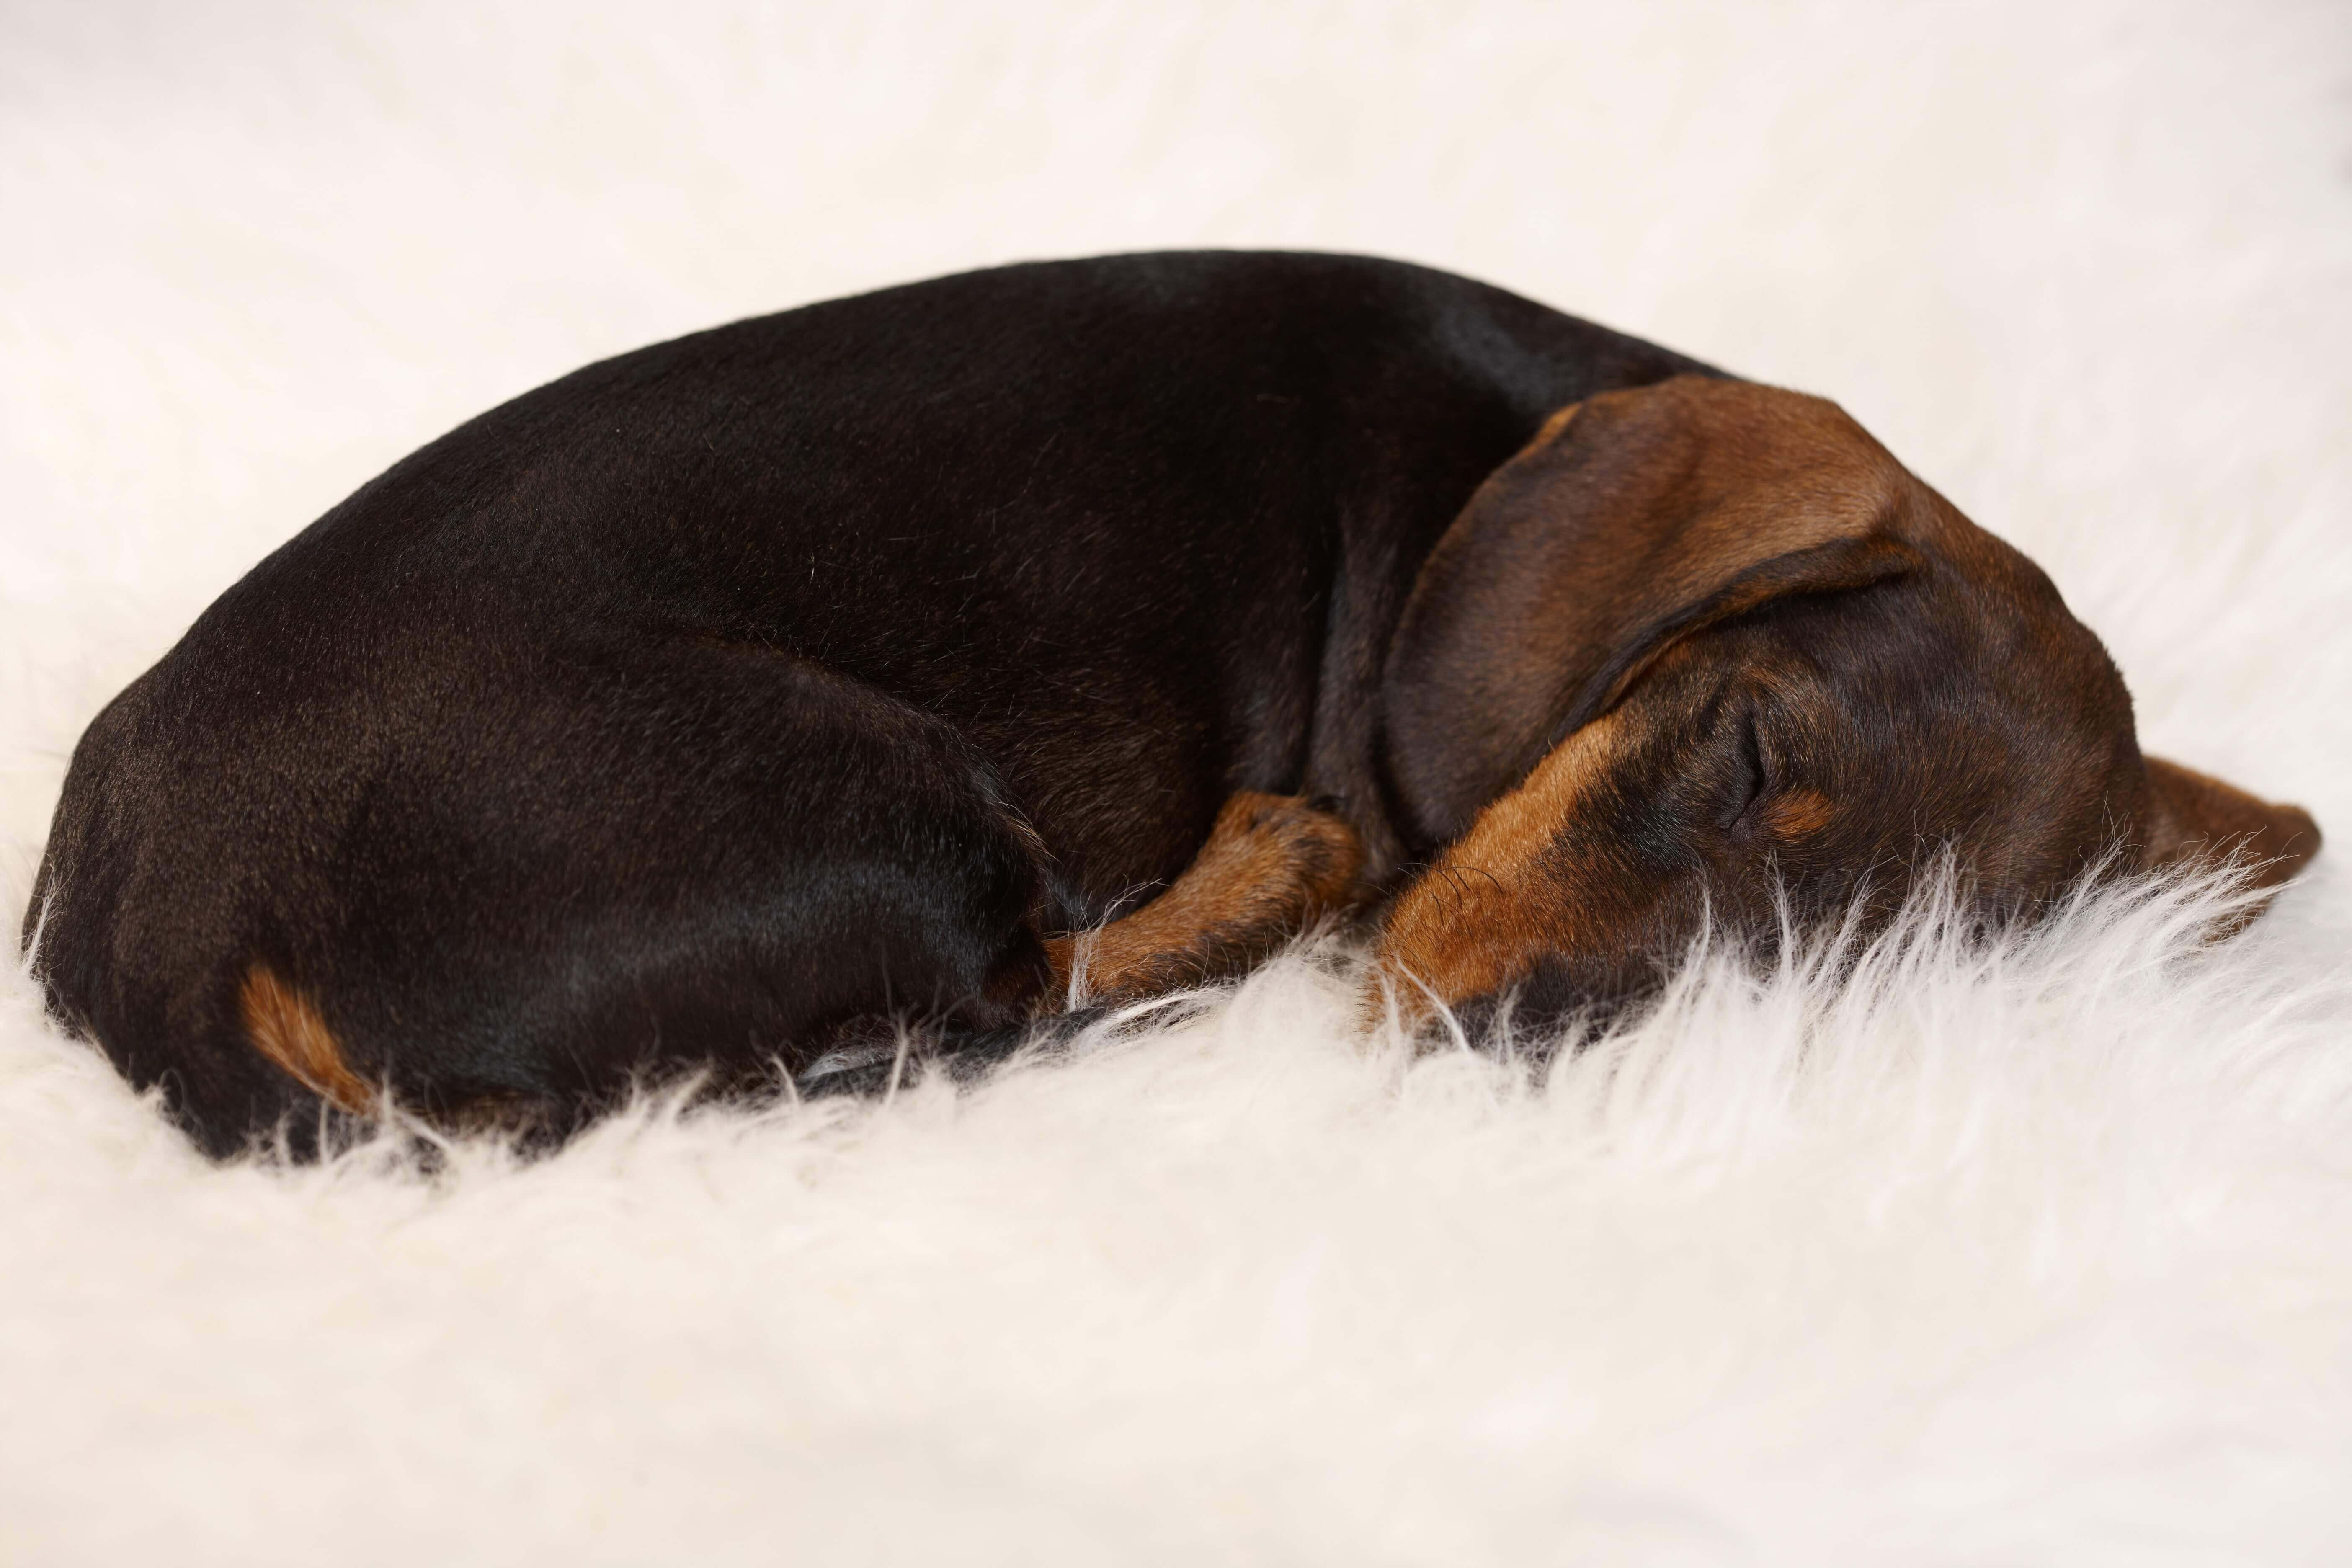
[1799, 814]
[285, 1027]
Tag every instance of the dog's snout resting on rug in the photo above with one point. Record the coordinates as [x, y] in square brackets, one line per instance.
[1066, 630]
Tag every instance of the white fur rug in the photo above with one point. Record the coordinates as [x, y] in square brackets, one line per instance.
[2043, 1256]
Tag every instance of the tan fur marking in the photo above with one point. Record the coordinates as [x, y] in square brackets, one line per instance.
[285, 1026]
[1485, 912]
[1799, 814]
[1272, 866]
[1550, 428]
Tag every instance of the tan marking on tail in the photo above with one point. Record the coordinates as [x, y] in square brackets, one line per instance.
[284, 1025]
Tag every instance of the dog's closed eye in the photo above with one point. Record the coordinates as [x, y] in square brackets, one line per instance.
[1750, 780]
[1762, 796]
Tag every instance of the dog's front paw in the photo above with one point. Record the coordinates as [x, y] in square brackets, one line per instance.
[1273, 866]
[1283, 849]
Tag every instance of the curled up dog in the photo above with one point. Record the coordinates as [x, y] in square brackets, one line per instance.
[709, 705]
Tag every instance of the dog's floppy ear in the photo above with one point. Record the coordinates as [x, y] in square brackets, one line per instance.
[2192, 816]
[1632, 520]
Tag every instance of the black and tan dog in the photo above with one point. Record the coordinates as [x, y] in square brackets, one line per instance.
[712, 703]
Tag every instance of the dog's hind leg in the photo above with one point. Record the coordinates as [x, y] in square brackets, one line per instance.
[506, 883]
[1272, 867]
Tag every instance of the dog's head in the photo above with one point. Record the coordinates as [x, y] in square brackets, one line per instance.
[1705, 641]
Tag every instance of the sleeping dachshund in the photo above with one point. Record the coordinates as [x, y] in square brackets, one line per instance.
[1064, 631]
